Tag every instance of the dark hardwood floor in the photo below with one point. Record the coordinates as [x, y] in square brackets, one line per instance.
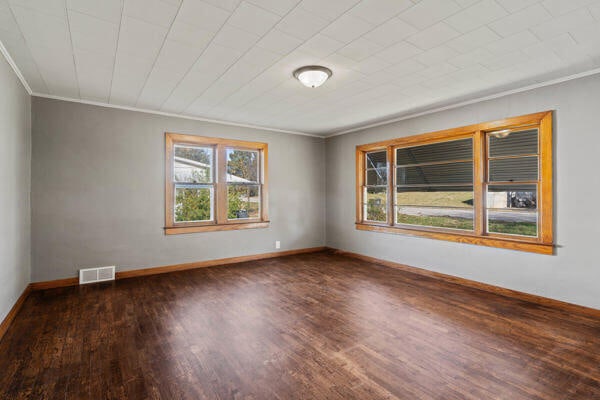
[313, 326]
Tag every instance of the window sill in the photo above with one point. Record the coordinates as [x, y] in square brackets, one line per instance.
[512, 244]
[176, 230]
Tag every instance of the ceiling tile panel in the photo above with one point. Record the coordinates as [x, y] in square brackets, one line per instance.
[279, 7]
[228, 5]
[359, 49]
[51, 7]
[57, 68]
[436, 55]
[405, 67]
[94, 74]
[235, 38]
[330, 9]
[509, 44]
[140, 39]
[42, 29]
[371, 65]
[207, 68]
[560, 7]
[587, 34]
[321, 46]
[279, 42]
[128, 79]
[470, 58]
[109, 10]
[378, 11]
[399, 52]
[433, 36]
[157, 12]
[191, 35]
[473, 40]
[302, 24]
[347, 28]
[202, 15]
[563, 24]
[253, 19]
[521, 20]
[390, 32]
[438, 70]
[515, 5]
[93, 34]
[478, 14]
[174, 61]
[427, 12]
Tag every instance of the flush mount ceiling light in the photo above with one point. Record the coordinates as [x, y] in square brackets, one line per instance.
[312, 75]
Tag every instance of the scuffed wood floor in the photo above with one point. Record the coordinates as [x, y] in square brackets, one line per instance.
[313, 326]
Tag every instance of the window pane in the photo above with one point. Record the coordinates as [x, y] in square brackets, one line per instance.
[243, 201]
[242, 166]
[445, 207]
[193, 164]
[377, 177]
[514, 169]
[512, 209]
[435, 196]
[435, 174]
[445, 151]
[375, 207]
[514, 144]
[376, 159]
[193, 204]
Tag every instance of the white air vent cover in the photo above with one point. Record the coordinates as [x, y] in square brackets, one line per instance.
[101, 274]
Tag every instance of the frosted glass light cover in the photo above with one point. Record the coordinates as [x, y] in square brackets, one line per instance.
[312, 76]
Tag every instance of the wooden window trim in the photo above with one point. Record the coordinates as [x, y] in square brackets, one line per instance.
[542, 244]
[220, 222]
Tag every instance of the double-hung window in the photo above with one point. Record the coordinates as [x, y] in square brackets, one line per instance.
[487, 184]
[214, 184]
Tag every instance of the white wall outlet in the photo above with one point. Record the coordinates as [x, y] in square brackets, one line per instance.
[277, 244]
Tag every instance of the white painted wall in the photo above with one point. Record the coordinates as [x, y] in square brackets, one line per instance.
[572, 275]
[15, 181]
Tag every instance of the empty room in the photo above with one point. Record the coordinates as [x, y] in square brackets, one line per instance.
[299, 199]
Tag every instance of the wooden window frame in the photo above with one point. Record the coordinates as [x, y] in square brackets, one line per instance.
[220, 221]
[543, 243]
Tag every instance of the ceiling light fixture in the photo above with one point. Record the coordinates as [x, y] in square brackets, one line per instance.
[312, 75]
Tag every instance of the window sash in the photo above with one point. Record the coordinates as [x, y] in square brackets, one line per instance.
[259, 202]
[541, 242]
[210, 187]
[218, 187]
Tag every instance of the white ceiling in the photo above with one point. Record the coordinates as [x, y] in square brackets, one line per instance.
[233, 60]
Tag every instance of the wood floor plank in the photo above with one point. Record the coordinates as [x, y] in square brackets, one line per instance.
[311, 326]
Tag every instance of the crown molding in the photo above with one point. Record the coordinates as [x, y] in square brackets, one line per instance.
[16, 69]
[383, 121]
[166, 114]
[387, 121]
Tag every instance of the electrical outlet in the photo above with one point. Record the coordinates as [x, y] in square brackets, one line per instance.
[277, 244]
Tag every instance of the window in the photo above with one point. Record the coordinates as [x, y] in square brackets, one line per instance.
[214, 184]
[488, 184]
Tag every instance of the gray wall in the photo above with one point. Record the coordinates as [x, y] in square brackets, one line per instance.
[15, 177]
[98, 191]
[572, 275]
